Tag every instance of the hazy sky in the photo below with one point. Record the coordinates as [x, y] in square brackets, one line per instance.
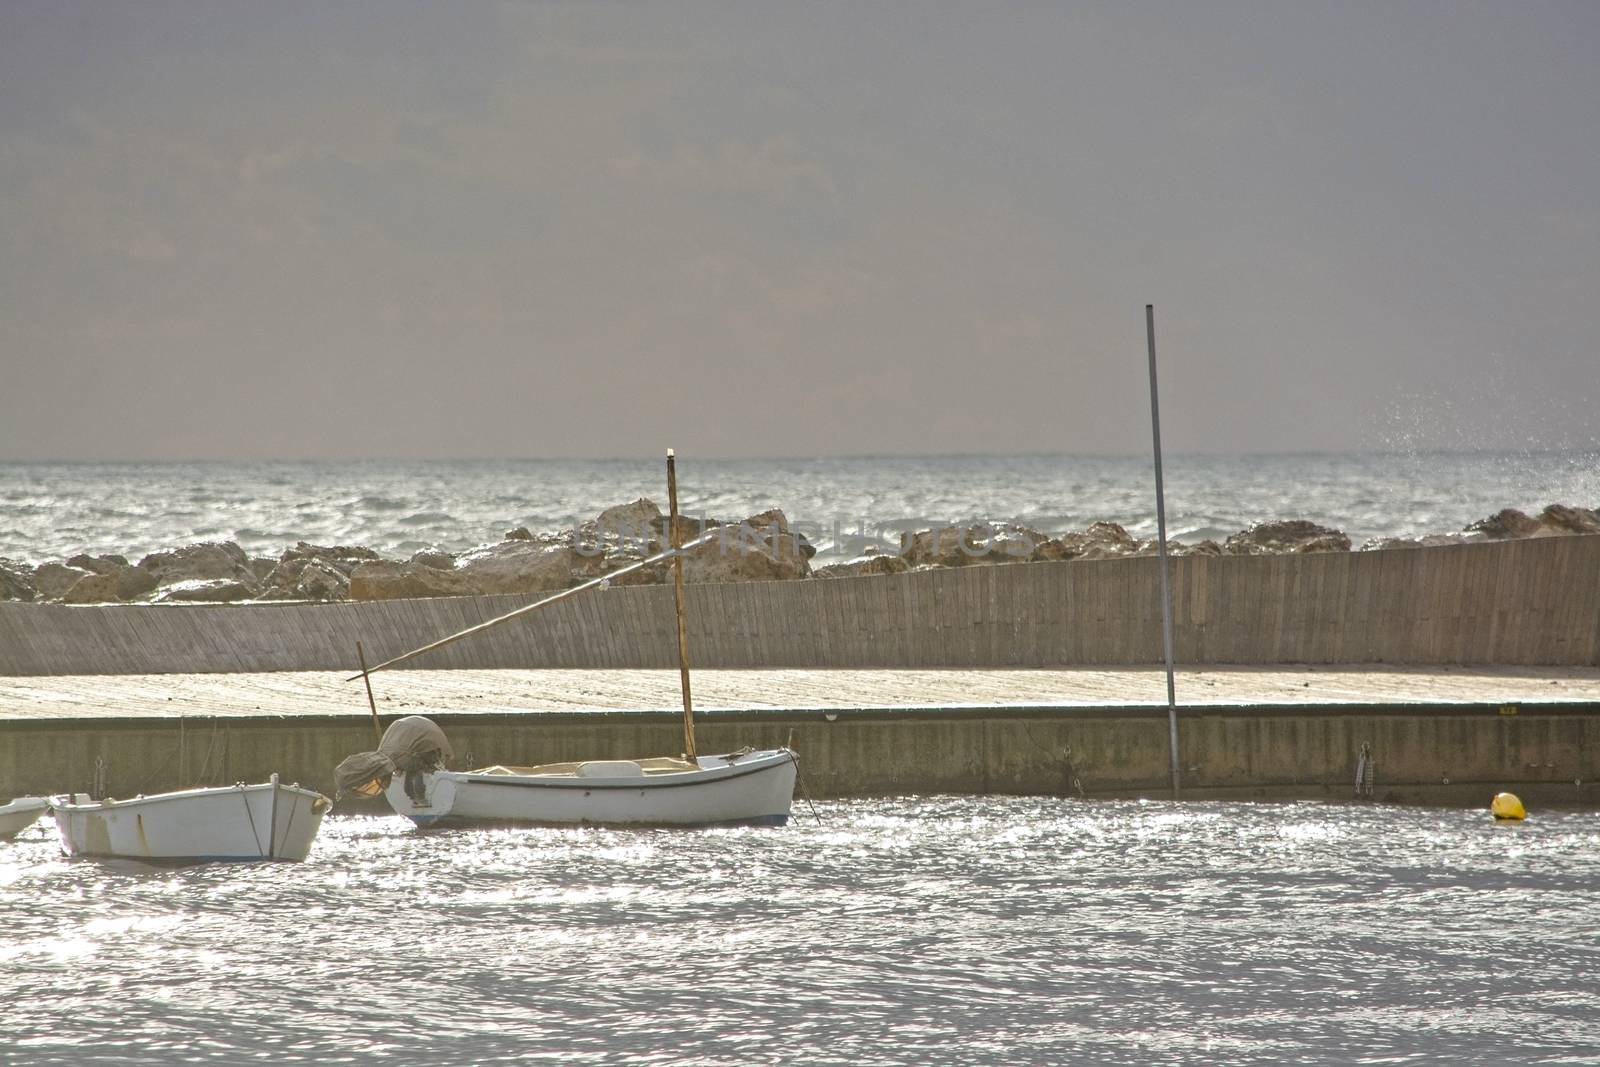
[475, 229]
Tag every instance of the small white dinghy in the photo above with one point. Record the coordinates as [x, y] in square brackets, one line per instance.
[264, 821]
[20, 814]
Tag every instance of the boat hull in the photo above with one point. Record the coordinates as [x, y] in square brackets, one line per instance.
[20, 814]
[264, 821]
[750, 789]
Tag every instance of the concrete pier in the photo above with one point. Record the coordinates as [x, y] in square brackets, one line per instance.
[1436, 735]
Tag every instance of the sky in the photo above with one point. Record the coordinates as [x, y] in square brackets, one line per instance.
[376, 228]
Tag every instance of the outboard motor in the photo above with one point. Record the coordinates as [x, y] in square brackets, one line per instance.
[410, 746]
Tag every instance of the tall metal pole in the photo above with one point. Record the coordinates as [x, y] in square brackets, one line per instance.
[1161, 534]
[677, 589]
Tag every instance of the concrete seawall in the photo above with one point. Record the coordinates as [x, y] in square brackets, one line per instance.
[1450, 753]
[1516, 602]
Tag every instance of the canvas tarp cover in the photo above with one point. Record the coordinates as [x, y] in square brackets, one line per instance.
[413, 743]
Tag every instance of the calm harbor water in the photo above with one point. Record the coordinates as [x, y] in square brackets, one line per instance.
[934, 930]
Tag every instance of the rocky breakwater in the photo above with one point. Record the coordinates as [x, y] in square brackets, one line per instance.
[991, 543]
[761, 547]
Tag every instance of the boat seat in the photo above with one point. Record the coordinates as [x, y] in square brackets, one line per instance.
[610, 768]
[648, 766]
[544, 768]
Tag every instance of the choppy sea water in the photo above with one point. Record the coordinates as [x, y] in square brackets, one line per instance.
[54, 510]
[936, 930]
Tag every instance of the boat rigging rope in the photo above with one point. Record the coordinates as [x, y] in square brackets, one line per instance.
[204, 776]
[245, 796]
[294, 806]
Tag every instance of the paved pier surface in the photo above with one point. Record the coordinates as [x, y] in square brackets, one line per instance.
[403, 692]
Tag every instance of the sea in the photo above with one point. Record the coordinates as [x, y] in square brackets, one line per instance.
[56, 510]
[916, 930]
[898, 931]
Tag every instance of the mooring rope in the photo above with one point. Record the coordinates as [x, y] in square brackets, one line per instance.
[804, 792]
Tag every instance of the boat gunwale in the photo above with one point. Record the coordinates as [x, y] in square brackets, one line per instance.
[58, 803]
[704, 776]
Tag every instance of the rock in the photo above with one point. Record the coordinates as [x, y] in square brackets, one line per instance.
[618, 556]
[1104, 550]
[519, 534]
[1383, 544]
[436, 558]
[284, 579]
[209, 561]
[863, 565]
[52, 580]
[16, 581]
[1561, 519]
[207, 590]
[1434, 540]
[523, 566]
[1286, 535]
[307, 550]
[622, 535]
[1102, 540]
[93, 589]
[108, 564]
[1378, 544]
[262, 567]
[981, 542]
[134, 582]
[1507, 522]
[1337, 541]
[1058, 548]
[1207, 547]
[1111, 535]
[939, 546]
[388, 580]
[689, 528]
[762, 548]
[1064, 547]
[320, 580]
[635, 520]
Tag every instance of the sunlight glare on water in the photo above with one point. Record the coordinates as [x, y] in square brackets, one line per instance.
[54, 510]
[898, 931]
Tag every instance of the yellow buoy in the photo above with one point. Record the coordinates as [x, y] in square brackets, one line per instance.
[1507, 806]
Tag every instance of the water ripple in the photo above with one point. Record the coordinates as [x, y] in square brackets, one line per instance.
[55, 510]
[901, 931]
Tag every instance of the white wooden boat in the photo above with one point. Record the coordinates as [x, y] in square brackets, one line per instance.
[740, 788]
[410, 765]
[263, 821]
[20, 814]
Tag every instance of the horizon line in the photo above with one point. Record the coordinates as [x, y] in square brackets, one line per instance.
[787, 457]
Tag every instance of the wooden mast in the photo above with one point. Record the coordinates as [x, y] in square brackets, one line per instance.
[377, 727]
[677, 589]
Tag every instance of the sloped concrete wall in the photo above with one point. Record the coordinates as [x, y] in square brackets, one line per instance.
[1516, 602]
